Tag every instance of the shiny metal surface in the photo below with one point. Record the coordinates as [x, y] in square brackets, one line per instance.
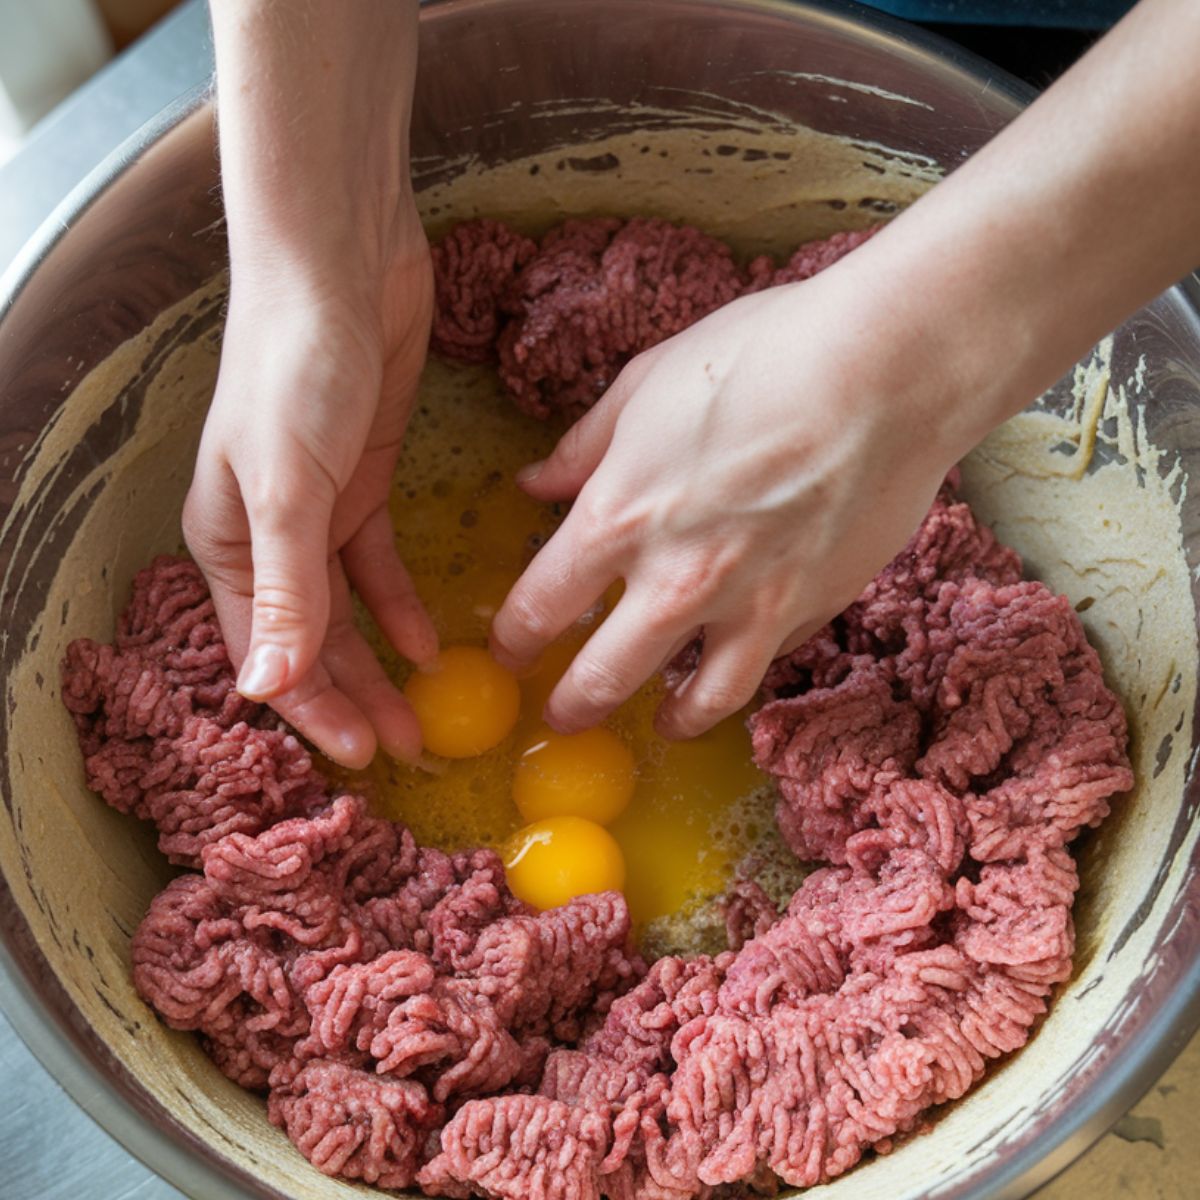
[37, 1118]
[498, 78]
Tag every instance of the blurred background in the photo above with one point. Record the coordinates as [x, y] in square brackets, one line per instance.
[48, 48]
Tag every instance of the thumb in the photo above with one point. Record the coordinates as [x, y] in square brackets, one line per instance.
[289, 549]
[562, 475]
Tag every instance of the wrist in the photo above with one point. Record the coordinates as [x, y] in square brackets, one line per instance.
[953, 327]
[313, 112]
[295, 258]
[922, 381]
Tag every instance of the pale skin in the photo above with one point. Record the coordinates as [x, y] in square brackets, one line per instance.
[746, 477]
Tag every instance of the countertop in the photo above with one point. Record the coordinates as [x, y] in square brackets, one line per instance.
[1151, 1154]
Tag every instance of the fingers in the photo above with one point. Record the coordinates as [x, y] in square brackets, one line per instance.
[216, 533]
[323, 712]
[797, 639]
[564, 580]
[580, 449]
[289, 536]
[385, 587]
[346, 705]
[732, 665]
[357, 673]
[328, 718]
[617, 659]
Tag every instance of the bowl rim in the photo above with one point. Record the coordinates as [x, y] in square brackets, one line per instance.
[115, 1104]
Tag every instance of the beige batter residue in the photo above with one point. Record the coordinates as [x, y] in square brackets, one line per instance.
[1099, 522]
[761, 191]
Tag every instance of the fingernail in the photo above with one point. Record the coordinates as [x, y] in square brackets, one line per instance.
[404, 745]
[529, 473]
[263, 673]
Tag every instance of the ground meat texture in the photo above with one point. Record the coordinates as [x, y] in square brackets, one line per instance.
[520, 1148]
[474, 266]
[353, 1123]
[566, 314]
[163, 731]
[814, 257]
[321, 956]
[936, 747]
[942, 741]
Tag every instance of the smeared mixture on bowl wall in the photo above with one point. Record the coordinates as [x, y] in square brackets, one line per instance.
[937, 748]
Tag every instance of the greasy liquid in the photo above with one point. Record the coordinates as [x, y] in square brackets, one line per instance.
[465, 532]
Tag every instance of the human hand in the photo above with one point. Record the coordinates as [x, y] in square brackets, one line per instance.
[742, 480]
[751, 474]
[330, 306]
[289, 505]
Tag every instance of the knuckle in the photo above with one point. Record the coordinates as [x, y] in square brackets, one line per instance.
[281, 607]
[676, 597]
[604, 519]
[600, 683]
[774, 602]
[711, 701]
[527, 614]
[274, 504]
[282, 497]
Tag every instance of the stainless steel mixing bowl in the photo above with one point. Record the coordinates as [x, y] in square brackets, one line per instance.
[499, 79]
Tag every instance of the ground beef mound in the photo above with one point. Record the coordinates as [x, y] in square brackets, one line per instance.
[563, 316]
[937, 747]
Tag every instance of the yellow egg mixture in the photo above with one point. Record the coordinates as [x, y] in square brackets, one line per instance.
[666, 822]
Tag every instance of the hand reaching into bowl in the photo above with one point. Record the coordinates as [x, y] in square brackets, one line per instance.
[749, 476]
[745, 478]
[329, 312]
[741, 481]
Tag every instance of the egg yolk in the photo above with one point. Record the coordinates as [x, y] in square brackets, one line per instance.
[699, 808]
[551, 862]
[590, 774]
[466, 704]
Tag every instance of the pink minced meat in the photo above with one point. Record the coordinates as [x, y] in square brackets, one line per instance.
[564, 316]
[474, 266]
[938, 747]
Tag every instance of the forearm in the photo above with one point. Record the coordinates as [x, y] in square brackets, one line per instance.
[1075, 215]
[314, 100]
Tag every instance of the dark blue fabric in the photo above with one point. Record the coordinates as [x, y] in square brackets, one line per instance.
[1067, 14]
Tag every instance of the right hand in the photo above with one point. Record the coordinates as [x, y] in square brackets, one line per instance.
[747, 477]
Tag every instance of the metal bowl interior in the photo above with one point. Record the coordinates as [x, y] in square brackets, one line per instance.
[109, 335]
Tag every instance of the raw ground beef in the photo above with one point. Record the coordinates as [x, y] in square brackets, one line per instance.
[938, 746]
[564, 316]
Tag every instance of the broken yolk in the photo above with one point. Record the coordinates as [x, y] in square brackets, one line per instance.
[551, 862]
[466, 704]
[590, 774]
